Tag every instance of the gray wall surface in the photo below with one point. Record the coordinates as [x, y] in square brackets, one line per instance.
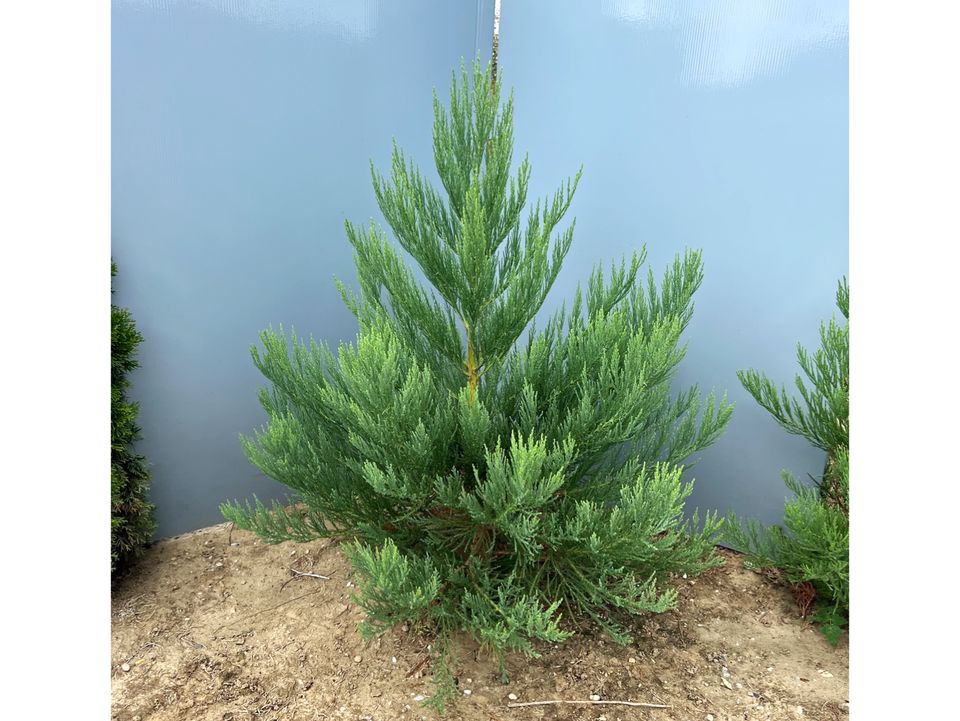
[242, 134]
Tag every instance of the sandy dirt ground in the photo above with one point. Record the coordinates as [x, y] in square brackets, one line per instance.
[216, 626]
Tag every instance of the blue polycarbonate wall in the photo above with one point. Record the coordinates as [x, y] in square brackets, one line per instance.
[242, 134]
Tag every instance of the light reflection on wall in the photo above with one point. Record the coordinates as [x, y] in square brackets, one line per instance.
[731, 42]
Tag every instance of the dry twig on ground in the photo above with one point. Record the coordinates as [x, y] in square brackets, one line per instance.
[301, 574]
[594, 703]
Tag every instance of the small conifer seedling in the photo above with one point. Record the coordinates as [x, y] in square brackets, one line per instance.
[487, 475]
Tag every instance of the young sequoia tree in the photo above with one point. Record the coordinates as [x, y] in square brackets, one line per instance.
[490, 475]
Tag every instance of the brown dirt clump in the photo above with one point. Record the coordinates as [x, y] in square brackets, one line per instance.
[214, 626]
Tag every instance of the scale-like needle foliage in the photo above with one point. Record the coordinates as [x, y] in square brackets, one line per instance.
[489, 476]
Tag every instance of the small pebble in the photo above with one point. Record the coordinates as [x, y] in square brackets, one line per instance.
[512, 696]
[709, 717]
[595, 697]
[393, 659]
[467, 692]
[125, 667]
[827, 674]
[727, 683]
[357, 659]
[632, 660]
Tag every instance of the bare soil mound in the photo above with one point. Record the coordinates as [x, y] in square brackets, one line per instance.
[216, 626]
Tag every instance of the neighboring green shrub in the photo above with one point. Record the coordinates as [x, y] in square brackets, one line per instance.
[131, 517]
[488, 481]
[813, 545]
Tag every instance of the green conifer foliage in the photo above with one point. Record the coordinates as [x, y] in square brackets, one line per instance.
[813, 544]
[489, 475]
[131, 517]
